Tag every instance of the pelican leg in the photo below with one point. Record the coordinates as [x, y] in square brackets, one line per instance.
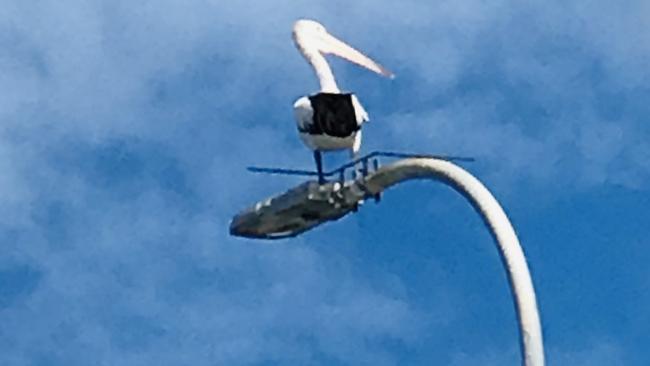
[354, 155]
[358, 170]
[319, 166]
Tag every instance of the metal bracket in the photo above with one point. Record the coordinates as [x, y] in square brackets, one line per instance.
[365, 161]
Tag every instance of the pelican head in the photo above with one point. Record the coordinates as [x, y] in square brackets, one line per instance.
[311, 37]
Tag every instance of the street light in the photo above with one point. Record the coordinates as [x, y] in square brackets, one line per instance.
[311, 204]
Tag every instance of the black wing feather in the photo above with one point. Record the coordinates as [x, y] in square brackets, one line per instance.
[333, 115]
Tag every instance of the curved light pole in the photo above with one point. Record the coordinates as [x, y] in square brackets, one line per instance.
[311, 204]
[500, 227]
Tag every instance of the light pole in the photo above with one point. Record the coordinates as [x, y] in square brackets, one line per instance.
[311, 204]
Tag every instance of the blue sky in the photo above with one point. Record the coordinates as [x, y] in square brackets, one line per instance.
[126, 127]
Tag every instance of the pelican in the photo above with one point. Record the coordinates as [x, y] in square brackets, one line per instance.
[329, 120]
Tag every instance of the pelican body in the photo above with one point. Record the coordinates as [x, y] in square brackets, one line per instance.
[329, 120]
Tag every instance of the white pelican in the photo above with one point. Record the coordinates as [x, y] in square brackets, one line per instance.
[329, 120]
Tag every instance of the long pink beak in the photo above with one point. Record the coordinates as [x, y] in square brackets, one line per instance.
[339, 48]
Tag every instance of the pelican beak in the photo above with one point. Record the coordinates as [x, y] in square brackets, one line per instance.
[335, 46]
